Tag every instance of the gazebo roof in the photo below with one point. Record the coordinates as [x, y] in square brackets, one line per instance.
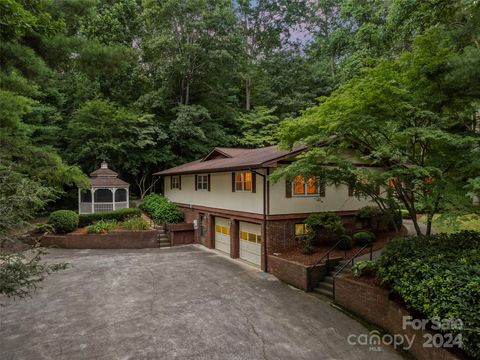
[105, 177]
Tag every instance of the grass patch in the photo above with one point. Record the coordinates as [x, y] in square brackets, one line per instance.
[449, 226]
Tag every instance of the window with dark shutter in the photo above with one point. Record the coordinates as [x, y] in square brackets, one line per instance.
[180, 182]
[322, 189]
[208, 179]
[351, 189]
[254, 182]
[196, 182]
[288, 188]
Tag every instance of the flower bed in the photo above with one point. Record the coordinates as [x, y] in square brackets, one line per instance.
[294, 254]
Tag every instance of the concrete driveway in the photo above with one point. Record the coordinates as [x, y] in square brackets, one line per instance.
[172, 303]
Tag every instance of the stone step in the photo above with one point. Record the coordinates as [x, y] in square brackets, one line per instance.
[162, 236]
[323, 292]
[165, 245]
[164, 241]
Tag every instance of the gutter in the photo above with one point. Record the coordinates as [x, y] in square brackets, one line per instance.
[264, 223]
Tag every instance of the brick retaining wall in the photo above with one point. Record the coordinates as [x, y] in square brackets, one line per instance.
[372, 304]
[296, 274]
[116, 239]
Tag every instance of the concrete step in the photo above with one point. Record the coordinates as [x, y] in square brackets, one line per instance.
[328, 279]
[162, 236]
[323, 292]
[166, 241]
[326, 286]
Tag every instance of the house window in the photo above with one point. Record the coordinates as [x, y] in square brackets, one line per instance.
[300, 230]
[311, 186]
[243, 181]
[202, 182]
[175, 182]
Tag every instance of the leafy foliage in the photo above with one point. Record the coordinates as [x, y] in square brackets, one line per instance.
[161, 209]
[438, 276]
[364, 268]
[101, 227]
[20, 273]
[63, 221]
[362, 238]
[117, 215]
[346, 242]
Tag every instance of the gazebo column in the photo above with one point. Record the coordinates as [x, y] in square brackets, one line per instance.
[128, 197]
[92, 191]
[114, 190]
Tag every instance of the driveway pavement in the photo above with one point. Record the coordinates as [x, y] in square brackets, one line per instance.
[177, 303]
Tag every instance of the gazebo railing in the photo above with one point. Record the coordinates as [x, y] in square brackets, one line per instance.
[86, 207]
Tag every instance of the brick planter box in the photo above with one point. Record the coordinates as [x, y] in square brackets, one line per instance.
[371, 303]
[115, 239]
[180, 234]
[301, 276]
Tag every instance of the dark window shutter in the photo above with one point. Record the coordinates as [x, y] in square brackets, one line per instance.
[171, 182]
[208, 184]
[288, 188]
[351, 189]
[322, 189]
[179, 182]
[254, 182]
[196, 186]
[233, 181]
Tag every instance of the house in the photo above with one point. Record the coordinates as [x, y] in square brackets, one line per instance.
[235, 209]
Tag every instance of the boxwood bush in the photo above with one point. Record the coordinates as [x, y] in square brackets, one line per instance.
[438, 276]
[63, 221]
[117, 215]
[362, 238]
[346, 242]
[161, 209]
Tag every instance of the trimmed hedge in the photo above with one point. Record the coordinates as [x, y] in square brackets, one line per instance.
[346, 244]
[161, 210]
[438, 276]
[63, 221]
[117, 215]
[362, 238]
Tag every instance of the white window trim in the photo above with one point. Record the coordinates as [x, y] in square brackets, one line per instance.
[305, 194]
[175, 184]
[203, 177]
[243, 182]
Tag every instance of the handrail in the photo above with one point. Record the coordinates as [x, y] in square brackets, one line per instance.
[326, 255]
[352, 259]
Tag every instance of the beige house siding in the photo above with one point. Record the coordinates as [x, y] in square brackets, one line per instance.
[336, 199]
[220, 195]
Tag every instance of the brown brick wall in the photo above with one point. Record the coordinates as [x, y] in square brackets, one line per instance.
[297, 274]
[111, 240]
[372, 304]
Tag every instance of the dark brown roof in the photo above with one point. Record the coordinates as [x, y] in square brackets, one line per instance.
[104, 176]
[235, 159]
[98, 181]
[103, 173]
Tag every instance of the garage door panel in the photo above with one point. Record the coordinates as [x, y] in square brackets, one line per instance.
[250, 242]
[222, 234]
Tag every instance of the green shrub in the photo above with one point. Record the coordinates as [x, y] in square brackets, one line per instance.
[346, 242]
[101, 227]
[161, 209]
[364, 268]
[326, 222]
[117, 215]
[362, 238]
[135, 223]
[366, 214]
[438, 275]
[63, 221]
[405, 214]
[306, 246]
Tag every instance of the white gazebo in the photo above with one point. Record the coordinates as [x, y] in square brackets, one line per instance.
[106, 192]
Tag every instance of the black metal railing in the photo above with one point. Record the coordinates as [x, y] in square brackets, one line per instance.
[352, 260]
[322, 258]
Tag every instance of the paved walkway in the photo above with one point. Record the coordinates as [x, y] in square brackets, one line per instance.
[176, 303]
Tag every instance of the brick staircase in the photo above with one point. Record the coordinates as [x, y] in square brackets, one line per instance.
[325, 287]
[162, 236]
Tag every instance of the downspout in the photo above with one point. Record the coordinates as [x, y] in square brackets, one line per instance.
[264, 224]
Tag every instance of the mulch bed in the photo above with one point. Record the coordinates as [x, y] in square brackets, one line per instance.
[295, 255]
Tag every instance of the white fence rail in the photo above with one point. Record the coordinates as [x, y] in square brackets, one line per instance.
[86, 207]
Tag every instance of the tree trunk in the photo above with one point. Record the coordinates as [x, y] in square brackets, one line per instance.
[187, 92]
[248, 93]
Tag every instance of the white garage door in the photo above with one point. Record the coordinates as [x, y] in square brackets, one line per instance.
[250, 242]
[222, 234]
